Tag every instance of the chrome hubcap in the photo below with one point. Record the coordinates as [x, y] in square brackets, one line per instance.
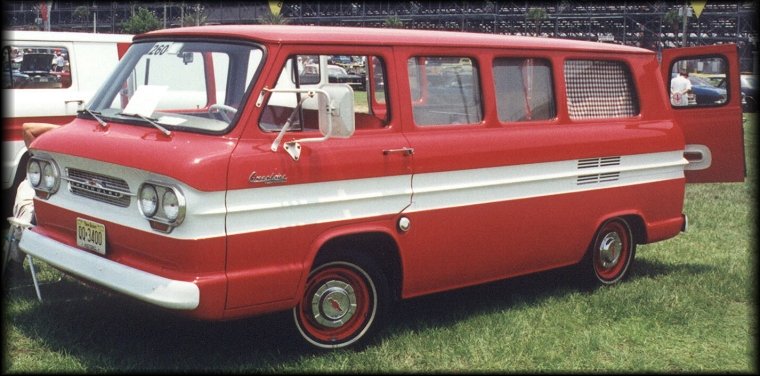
[610, 249]
[333, 304]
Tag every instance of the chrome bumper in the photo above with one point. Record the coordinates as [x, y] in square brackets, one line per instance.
[133, 282]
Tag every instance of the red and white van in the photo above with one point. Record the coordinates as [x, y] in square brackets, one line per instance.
[35, 89]
[209, 176]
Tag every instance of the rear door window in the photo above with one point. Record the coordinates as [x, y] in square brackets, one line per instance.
[699, 82]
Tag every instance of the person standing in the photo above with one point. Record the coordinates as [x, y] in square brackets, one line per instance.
[680, 87]
[58, 62]
[23, 207]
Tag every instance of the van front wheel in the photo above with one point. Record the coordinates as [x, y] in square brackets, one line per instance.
[612, 252]
[341, 304]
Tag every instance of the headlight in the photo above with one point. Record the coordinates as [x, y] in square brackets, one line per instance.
[44, 175]
[171, 205]
[49, 177]
[162, 205]
[34, 173]
[148, 200]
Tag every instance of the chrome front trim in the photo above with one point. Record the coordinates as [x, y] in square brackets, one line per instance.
[98, 187]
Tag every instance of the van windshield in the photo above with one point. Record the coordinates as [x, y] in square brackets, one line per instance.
[180, 85]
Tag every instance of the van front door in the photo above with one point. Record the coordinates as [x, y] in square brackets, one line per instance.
[278, 205]
[710, 112]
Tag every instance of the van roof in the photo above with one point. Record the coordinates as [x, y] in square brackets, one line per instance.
[64, 36]
[385, 36]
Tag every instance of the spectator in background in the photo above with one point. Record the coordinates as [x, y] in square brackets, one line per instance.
[680, 87]
[23, 207]
[58, 61]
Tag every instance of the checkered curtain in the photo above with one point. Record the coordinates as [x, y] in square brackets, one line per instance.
[599, 89]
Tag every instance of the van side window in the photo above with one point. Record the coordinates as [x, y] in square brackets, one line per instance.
[524, 89]
[311, 71]
[444, 90]
[698, 82]
[36, 67]
[599, 89]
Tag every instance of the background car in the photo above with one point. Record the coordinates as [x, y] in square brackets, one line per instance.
[336, 74]
[705, 92]
[748, 88]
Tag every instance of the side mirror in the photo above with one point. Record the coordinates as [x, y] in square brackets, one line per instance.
[335, 106]
[336, 119]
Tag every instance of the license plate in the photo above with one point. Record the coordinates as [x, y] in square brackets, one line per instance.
[91, 235]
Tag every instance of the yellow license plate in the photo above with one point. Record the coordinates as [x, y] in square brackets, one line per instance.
[91, 235]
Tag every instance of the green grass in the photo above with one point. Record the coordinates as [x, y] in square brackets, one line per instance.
[687, 307]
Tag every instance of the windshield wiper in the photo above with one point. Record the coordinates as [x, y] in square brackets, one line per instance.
[151, 121]
[95, 116]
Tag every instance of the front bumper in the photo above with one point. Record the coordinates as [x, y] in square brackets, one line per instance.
[150, 288]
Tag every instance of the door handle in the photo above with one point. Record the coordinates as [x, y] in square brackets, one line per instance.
[77, 101]
[405, 151]
[698, 156]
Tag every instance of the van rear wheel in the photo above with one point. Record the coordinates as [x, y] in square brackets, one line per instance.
[341, 304]
[612, 252]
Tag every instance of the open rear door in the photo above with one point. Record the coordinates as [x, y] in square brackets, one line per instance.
[712, 119]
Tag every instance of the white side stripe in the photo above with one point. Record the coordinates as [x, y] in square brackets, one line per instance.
[286, 206]
[273, 207]
[267, 208]
[479, 186]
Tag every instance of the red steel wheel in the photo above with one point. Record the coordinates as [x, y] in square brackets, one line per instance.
[339, 305]
[613, 251]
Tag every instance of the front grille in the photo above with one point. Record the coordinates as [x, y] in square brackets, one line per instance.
[98, 187]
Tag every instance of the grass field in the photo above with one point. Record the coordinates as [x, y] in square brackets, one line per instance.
[689, 306]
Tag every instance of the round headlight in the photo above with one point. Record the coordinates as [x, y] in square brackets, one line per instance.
[48, 176]
[148, 200]
[34, 173]
[171, 205]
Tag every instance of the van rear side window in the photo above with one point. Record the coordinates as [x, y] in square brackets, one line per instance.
[523, 89]
[598, 89]
[36, 67]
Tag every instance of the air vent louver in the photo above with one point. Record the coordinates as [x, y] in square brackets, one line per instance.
[589, 163]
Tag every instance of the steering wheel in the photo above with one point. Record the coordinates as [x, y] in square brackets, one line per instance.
[222, 110]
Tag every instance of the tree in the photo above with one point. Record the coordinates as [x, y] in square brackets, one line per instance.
[273, 19]
[196, 18]
[394, 22]
[143, 21]
[536, 15]
[81, 13]
[673, 20]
